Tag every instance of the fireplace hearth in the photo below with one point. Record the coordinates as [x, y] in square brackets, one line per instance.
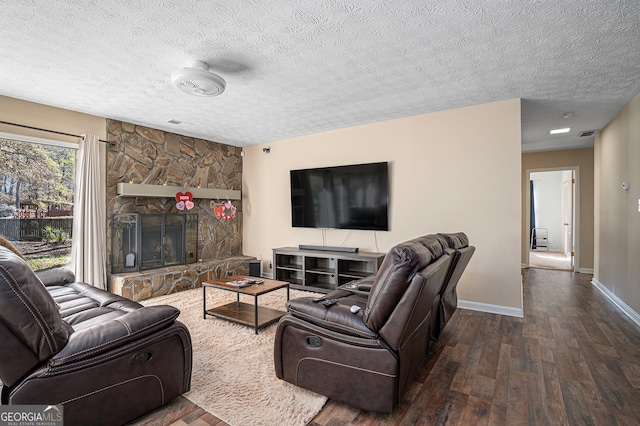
[142, 242]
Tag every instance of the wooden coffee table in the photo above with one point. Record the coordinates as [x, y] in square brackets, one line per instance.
[240, 312]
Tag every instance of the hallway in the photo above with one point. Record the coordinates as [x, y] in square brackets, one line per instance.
[549, 260]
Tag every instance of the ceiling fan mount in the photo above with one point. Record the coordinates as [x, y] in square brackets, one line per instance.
[197, 80]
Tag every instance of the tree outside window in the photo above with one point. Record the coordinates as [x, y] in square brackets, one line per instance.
[36, 198]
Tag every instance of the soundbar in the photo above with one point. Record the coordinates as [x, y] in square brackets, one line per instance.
[329, 248]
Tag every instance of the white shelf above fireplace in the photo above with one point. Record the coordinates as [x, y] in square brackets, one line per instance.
[145, 190]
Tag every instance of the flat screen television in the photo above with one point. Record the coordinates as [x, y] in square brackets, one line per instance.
[343, 197]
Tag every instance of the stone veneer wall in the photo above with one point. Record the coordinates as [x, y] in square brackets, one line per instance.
[156, 157]
[158, 282]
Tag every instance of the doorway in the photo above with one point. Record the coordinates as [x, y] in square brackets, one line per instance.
[551, 199]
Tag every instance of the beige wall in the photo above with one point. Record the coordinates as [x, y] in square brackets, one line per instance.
[47, 117]
[450, 171]
[617, 151]
[581, 159]
[456, 170]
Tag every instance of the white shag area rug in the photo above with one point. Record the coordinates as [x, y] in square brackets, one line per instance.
[233, 373]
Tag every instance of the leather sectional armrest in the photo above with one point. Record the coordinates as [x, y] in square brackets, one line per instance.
[361, 287]
[117, 332]
[337, 317]
[365, 287]
[56, 277]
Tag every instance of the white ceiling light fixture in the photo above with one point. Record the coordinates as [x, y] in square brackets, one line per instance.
[197, 80]
[557, 131]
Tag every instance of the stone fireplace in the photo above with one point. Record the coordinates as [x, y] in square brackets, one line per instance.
[151, 158]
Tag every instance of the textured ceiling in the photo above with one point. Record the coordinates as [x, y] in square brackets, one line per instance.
[300, 67]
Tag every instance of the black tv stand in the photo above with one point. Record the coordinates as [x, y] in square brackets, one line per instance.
[329, 248]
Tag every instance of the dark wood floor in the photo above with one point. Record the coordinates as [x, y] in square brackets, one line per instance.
[574, 359]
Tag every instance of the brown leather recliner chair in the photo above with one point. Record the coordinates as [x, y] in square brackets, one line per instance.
[447, 301]
[460, 252]
[105, 358]
[367, 358]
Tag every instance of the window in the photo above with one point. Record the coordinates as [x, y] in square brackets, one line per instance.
[36, 199]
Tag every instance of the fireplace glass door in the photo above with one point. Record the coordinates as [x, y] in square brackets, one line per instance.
[149, 241]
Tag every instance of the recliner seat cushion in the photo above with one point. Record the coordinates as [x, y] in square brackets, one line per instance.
[337, 317]
[82, 305]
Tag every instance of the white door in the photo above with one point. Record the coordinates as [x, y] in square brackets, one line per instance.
[567, 214]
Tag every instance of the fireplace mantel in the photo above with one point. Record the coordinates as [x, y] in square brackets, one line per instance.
[146, 190]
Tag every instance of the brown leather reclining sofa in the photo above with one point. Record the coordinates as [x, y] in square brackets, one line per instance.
[363, 343]
[105, 358]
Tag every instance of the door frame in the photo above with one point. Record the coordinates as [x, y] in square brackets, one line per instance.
[568, 196]
[576, 212]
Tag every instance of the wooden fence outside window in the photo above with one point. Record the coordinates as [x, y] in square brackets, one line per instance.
[32, 229]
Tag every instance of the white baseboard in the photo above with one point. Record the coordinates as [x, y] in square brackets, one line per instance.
[491, 309]
[633, 315]
[267, 275]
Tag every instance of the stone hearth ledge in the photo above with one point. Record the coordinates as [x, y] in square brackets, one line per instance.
[143, 285]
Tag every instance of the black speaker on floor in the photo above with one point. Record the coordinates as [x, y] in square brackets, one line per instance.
[254, 268]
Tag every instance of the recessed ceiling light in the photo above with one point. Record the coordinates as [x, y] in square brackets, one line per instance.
[556, 131]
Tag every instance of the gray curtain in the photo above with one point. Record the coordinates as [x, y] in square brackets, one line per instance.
[88, 248]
